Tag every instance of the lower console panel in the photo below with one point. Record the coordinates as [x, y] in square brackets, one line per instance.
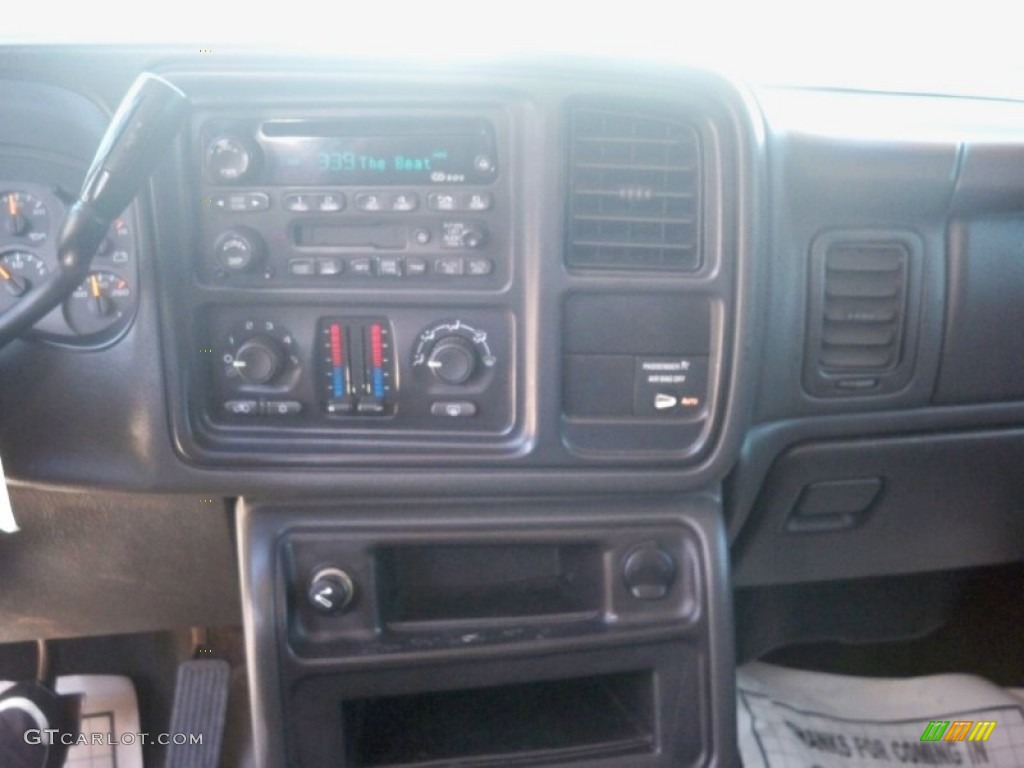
[489, 633]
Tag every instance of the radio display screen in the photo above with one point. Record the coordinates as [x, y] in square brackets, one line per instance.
[331, 155]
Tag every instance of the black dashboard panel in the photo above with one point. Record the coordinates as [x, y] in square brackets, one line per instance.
[465, 273]
[717, 334]
[534, 321]
[524, 416]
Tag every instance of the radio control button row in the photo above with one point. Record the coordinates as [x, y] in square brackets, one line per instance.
[242, 202]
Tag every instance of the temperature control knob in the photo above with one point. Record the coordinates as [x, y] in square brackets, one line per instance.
[453, 359]
[238, 250]
[259, 359]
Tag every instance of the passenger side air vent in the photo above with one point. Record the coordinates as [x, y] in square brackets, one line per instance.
[865, 298]
[634, 199]
[858, 313]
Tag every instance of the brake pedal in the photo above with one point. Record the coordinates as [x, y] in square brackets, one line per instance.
[200, 708]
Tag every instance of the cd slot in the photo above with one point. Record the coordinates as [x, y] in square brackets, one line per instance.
[383, 236]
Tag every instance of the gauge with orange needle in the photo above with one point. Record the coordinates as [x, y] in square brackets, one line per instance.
[25, 217]
[102, 302]
[19, 272]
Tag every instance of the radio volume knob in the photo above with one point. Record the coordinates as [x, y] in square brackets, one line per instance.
[238, 250]
[229, 159]
[453, 360]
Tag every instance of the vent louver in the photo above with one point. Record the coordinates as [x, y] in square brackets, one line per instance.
[634, 199]
[863, 306]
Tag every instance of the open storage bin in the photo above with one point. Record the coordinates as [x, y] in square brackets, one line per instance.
[521, 724]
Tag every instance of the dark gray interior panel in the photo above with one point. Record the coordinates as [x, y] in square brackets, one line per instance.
[108, 563]
[983, 354]
[909, 504]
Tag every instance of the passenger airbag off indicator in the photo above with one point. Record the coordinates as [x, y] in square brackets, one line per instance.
[670, 386]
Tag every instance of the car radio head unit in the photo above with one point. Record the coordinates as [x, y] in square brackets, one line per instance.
[344, 198]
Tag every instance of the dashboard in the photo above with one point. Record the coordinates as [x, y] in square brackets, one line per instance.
[740, 338]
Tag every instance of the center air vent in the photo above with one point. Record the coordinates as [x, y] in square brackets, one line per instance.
[860, 334]
[634, 200]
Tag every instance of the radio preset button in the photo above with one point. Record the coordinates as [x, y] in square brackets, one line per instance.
[298, 202]
[330, 202]
[361, 266]
[415, 267]
[403, 202]
[479, 267]
[450, 266]
[372, 202]
[302, 267]
[329, 267]
[442, 201]
[477, 201]
[389, 266]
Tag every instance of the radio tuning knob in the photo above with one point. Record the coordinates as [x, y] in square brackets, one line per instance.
[453, 360]
[238, 250]
[473, 236]
[229, 159]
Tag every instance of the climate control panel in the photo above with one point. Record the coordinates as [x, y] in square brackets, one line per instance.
[401, 370]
